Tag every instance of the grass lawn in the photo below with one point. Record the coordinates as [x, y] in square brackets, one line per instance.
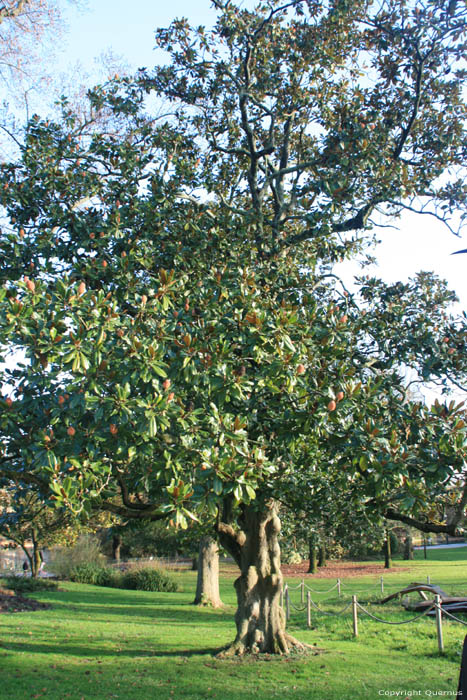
[102, 643]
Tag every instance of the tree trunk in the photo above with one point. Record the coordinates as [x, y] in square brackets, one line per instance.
[387, 551]
[408, 548]
[35, 556]
[322, 555]
[259, 618]
[207, 587]
[313, 566]
[116, 546]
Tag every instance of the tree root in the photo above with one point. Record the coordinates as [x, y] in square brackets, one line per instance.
[284, 646]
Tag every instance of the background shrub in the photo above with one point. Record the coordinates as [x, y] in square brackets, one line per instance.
[149, 579]
[95, 574]
[21, 584]
[85, 551]
[294, 558]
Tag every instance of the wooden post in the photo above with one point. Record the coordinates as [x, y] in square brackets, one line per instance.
[287, 603]
[302, 591]
[428, 580]
[339, 587]
[382, 585]
[354, 615]
[439, 624]
[308, 609]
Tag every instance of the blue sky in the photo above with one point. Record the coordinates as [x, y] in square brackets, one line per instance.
[421, 243]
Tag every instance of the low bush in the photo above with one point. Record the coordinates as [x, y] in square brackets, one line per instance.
[95, 574]
[148, 579]
[22, 584]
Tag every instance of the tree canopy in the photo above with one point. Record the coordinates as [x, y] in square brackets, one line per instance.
[188, 348]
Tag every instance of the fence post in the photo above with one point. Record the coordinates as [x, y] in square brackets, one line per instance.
[308, 609]
[287, 603]
[428, 580]
[382, 585]
[339, 587]
[302, 591]
[439, 624]
[354, 615]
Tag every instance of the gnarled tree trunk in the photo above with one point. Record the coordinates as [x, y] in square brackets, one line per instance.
[255, 547]
[207, 587]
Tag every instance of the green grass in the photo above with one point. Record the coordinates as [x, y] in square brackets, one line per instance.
[102, 643]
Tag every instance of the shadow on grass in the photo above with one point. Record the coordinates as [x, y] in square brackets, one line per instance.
[153, 614]
[97, 652]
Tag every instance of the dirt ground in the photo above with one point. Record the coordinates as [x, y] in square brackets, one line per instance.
[340, 569]
[9, 602]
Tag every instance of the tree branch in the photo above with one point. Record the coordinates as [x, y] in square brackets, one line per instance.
[11, 13]
[422, 525]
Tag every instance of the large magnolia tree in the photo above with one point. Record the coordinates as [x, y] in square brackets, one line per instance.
[187, 348]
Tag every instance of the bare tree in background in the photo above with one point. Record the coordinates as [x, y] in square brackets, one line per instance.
[31, 38]
[30, 33]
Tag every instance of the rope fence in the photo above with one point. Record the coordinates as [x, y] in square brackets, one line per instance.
[309, 604]
[339, 585]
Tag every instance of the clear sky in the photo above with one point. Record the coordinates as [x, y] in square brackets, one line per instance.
[422, 243]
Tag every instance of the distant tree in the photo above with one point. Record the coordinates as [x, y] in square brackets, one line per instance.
[33, 525]
[31, 78]
[30, 31]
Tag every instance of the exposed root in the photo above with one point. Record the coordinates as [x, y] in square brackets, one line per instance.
[287, 646]
[295, 644]
[206, 602]
[234, 649]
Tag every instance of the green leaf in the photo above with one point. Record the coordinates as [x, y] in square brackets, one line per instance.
[217, 486]
[152, 427]
[160, 371]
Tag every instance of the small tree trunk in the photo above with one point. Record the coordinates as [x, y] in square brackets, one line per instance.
[408, 548]
[387, 551]
[322, 555]
[35, 556]
[116, 546]
[313, 566]
[259, 618]
[207, 587]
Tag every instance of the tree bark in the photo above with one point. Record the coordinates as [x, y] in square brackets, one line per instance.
[387, 551]
[408, 547]
[116, 546]
[207, 587]
[35, 556]
[259, 619]
[322, 555]
[313, 566]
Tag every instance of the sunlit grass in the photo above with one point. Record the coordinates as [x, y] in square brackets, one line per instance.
[99, 643]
